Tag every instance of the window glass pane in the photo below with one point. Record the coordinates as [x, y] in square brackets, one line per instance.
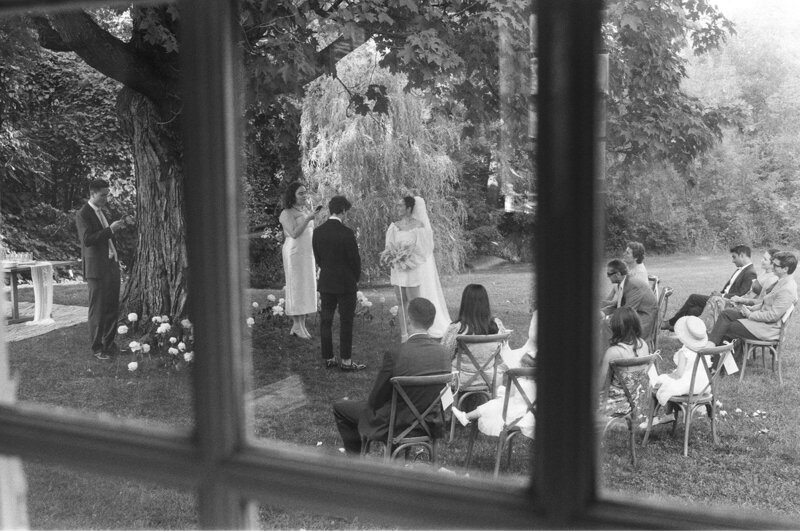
[376, 119]
[61, 498]
[717, 180]
[66, 124]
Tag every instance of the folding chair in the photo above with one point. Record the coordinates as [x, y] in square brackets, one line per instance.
[629, 374]
[477, 358]
[426, 428]
[752, 346]
[687, 404]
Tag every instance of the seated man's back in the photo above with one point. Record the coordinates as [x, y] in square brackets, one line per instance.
[421, 355]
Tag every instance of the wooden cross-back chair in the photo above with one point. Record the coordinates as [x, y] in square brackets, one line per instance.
[477, 361]
[629, 374]
[428, 424]
[775, 348]
[651, 336]
[706, 397]
[510, 421]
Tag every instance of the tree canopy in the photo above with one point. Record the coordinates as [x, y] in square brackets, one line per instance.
[471, 61]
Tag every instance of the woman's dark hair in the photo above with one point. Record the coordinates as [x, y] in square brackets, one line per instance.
[771, 252]
[625, 327]
[637, 251]
[475, 314]
[289, 198]
[409, 202]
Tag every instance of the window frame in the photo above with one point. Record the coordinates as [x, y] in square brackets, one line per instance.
[229, 471]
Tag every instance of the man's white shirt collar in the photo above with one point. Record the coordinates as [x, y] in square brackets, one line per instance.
[337, 218]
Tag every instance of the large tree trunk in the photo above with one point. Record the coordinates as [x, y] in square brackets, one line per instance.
[157, 281]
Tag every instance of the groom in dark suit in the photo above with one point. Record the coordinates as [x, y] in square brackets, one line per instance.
[100, 268]
[336, 254]
[421, 355]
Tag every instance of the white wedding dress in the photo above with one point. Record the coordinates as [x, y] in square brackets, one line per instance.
[430, 287]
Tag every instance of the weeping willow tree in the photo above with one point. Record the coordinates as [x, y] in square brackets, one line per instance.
[376, 158]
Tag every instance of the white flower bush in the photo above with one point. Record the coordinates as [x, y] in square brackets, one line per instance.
[159, 345]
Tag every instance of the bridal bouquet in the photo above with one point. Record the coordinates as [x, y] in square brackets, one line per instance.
[401, 257]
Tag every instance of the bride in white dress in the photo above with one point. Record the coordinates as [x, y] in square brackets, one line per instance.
[409, 252]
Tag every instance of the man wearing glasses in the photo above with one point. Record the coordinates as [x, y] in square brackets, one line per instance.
[763, 320]
[631, 292]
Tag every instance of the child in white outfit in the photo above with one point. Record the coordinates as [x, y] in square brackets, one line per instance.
[692, 333]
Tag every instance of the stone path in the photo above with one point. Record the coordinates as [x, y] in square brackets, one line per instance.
[279, 398]
[62, 315]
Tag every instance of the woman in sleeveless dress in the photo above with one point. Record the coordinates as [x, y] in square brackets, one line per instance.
[626, 342]
[297, 220]
[409, 252]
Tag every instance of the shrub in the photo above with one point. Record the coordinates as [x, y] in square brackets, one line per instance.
[266, 260]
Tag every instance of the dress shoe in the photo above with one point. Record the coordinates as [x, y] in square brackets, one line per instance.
[102, 355]
[331, 363]
[353, 366]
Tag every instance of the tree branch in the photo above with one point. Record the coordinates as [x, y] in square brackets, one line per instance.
[78, 32]
[314, 5]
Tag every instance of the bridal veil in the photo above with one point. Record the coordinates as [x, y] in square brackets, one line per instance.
[430, 287]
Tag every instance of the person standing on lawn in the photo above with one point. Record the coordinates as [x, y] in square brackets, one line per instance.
[100, 268]
[420, 355]
[336, 253]
[739, 284]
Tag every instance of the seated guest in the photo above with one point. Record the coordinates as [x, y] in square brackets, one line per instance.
[474, 318]
[739, 284]
[421, 355]
[626, 342]
[761, 286]
[762, 320]
[692, 333]
[630, 293]
[512, 357]
[634, 260]
[490, 414]
[763, 283]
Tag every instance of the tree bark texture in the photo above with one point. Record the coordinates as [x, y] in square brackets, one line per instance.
[157, 281]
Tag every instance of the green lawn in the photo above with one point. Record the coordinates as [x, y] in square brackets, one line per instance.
[750, 469]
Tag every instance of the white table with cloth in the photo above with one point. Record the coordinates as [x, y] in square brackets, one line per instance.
[42, 279]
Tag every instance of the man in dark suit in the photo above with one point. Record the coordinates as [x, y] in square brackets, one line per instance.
[336, 254]
[631, 292]
[100, 268]
[421, 355]
[739, 284]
